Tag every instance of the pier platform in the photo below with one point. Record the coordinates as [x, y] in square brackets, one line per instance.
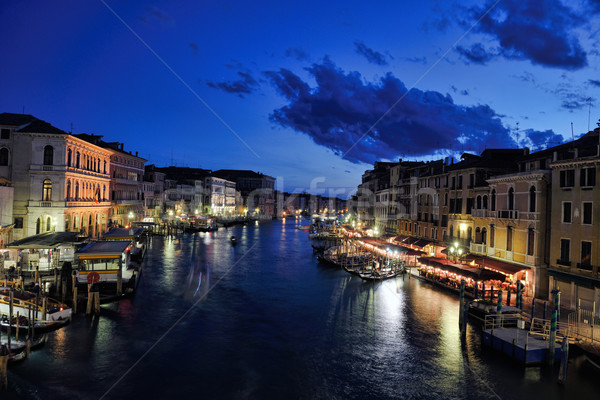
[524, 345]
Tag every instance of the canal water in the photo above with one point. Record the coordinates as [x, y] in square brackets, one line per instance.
[264, 320]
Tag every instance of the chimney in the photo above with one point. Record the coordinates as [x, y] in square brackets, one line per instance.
[136, 153]
[121, 146]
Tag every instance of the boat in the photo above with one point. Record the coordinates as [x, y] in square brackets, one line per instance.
[480, 308]
[233, 240]
[25, 304]
[38, 326]
[374, 275]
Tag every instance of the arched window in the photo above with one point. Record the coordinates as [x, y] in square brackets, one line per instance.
[48, 155]
[509, 238]
[492, 235]
[511, 199]
[69, 156]
[104, 167]
[530, 241]
[483, 235]
[47, 190]
[38, 226]
[479, 202]
[77, 191]
[78, 160]
[477, 235]
[532, 199]
[68, 190]
[3, 156]
[493, 199]
[485, 200]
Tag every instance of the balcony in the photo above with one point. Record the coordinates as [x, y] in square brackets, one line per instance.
[479, 213]
[478, 248]
[44, 204]
[86, 203]
[564, 263]
[508, 214]
[585, 267]
[530, 216]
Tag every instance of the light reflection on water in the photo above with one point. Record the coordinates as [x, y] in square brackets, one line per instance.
[274, 324]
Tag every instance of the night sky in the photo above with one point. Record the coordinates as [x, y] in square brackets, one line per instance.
[309, 92]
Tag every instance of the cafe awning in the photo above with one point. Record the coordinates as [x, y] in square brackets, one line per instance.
[493, 264]
[48, 240]
[477, 273]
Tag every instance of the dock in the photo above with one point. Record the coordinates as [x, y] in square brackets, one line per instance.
[523, 340]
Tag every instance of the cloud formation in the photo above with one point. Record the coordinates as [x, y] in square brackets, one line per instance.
[374, 57]
[476, 54]
[245, 85]
[594, 82]
[541, 32]
[296, 52]
[343, 107]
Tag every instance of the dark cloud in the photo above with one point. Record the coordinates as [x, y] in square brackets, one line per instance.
[342, 107]
[374, 57]
[541, 32]
[297, 52]
[464, 92]
[418, 60]
[541, 139]
[477, 54]
[245, 85]
[154, 12]
[194, 47]
[594, 82]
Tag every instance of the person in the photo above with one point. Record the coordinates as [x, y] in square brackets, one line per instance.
[36, 288]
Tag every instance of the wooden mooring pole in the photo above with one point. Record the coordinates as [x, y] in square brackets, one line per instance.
[3, 367]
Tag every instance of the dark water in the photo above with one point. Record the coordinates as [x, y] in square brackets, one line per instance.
[263, 320]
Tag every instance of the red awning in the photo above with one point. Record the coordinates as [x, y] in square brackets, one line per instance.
[495, 265]
[476, 273]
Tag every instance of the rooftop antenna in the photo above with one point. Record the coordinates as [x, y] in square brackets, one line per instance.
[572, 135]
[517, 135]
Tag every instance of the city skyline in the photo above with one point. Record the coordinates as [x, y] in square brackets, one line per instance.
[311, 94]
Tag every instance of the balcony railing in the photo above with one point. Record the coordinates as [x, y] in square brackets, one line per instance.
[478, 248]
[479, 213]
[508, 214]
[585, 267]
[565, 263]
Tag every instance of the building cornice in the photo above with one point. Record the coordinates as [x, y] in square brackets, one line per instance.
[521, 176]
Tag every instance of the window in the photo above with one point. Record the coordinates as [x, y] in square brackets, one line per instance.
[511, 199]
[566, 212]
[479, 202]
[453, 183]
[3, 156]
[509, 238]
[586, 253]
[565, 251]
[47, 190]
[485, 199]
[567, 178]
[5, 134]
[18, 223]
[587, 177]
[48, 155]
[78, 160]
[494, 200]
[492, 235]
[471, 180]
[532, 199]
[69, 156]
[587, 213]
[460, 182]
[530, 241]
[445, 199]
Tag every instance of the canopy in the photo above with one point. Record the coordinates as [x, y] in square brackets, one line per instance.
[493, 264]
[123, 233]
[48, 240]
[103, 249]
[477, 273]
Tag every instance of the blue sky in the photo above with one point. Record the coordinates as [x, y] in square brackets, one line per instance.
[309, 92]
